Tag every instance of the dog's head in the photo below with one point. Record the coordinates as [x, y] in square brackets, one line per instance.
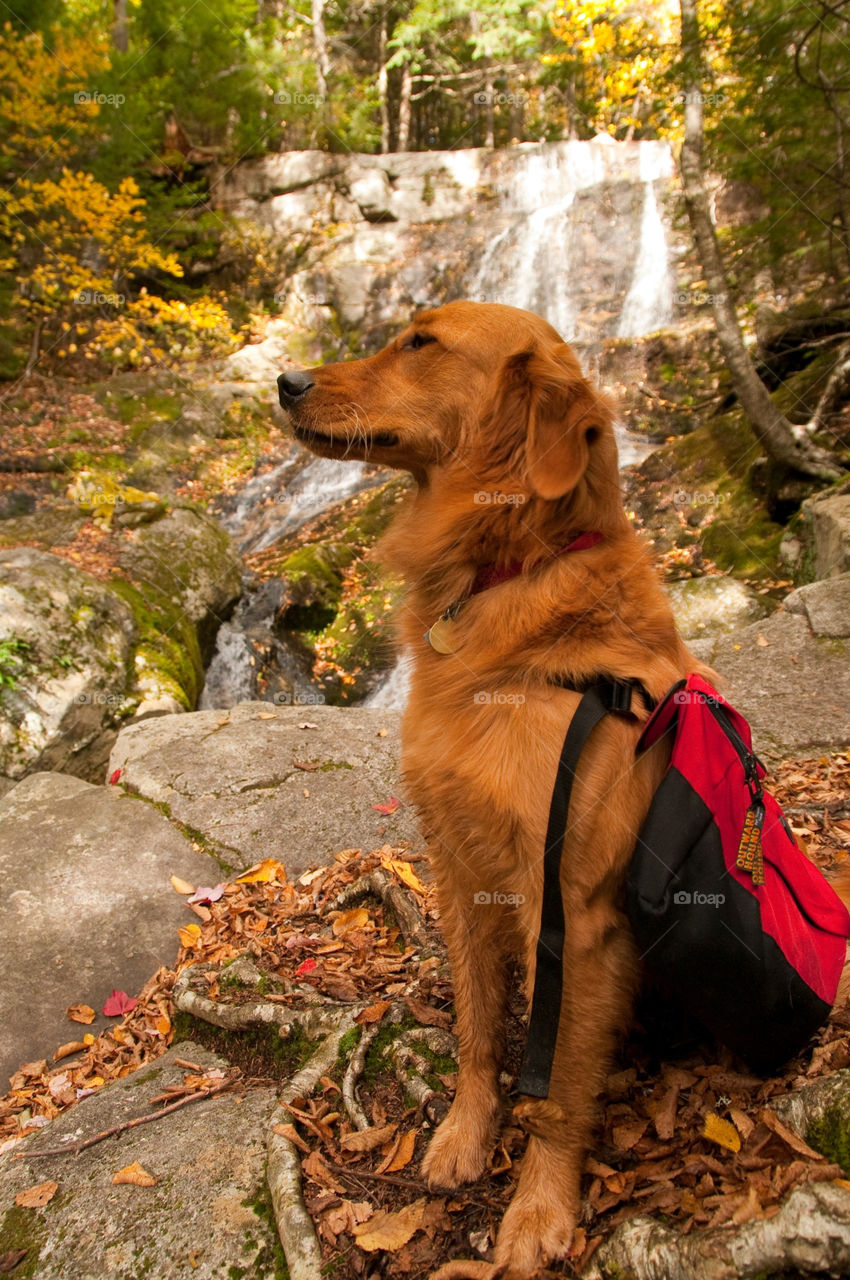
[472, 387]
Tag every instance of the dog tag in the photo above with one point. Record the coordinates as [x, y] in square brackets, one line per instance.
[440, 637]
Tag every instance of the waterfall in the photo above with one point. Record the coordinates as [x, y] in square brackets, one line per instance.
[543, 257]
[649, 301]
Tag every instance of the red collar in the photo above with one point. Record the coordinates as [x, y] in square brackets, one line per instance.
[490, 575]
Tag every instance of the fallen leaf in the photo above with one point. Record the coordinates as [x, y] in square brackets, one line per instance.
[373, 1013]
[762, 641]
[316, 1168]
[289, 1131]
[261, 872]
[81, 1013]
[134, 1175]
[389, 807]
[402, 1154]
[390, 1230]
[181, 886]
[120, 1003]
[721, 1131]
[628, 1135]
[307, 766]
[794, 1141]
[368, 1139]
[114, 776]
[307, 724]
[189, 935]
[266, 715]
[38, 1196]
[10, 1259]
[163, 1024]
[207, 895]
[427, 1016]
[356, 918]
[65, 1050]
[306, 966]
[749, 1209]
[405, 873]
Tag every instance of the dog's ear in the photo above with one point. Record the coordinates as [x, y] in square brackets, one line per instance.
[564, 415]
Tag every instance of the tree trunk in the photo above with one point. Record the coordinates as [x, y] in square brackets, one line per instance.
[383, 77]
[320, 48]
[490, 133]
[790, 446]
[120, 37]
[404, 109]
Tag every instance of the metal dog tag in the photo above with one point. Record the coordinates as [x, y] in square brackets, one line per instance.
[440, 636]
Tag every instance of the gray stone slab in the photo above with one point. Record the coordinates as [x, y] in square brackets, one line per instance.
[86, 905]
[826, 604]
[199, 1219]
[795, 690]
[233, 777]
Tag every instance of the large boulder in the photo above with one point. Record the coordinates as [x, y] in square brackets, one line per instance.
[86, 905]
[711, 606]
[208, 1215]
[79, 655]
[297, 783]
[828, 519]
[67, 640]
[825, 605]
[792, 685]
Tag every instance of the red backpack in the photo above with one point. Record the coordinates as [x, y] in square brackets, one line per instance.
[730, 915]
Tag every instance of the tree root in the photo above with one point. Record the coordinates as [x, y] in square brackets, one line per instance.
[353, 1072]
[316, 1020]
[294, 1224]
[810, 1233]
[398, 900]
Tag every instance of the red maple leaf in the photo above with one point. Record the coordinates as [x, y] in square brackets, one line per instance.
[388, 808]
[114, 776]
[118, 1003]
[306, 966]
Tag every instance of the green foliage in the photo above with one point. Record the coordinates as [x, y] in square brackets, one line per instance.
[13, 653]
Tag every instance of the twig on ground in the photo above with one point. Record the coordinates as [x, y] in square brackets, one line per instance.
[75, 1147]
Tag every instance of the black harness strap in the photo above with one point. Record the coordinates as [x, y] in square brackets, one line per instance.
[600, 698]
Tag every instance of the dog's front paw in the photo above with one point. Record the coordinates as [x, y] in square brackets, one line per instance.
[534, 1233]
[459, 1149]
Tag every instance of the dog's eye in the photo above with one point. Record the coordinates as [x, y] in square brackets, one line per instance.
[418, 340]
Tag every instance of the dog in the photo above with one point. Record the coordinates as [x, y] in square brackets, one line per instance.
[524, 576]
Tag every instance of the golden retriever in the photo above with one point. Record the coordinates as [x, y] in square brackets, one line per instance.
[514, 456]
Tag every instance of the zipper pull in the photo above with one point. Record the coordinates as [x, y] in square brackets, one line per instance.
[750, 854]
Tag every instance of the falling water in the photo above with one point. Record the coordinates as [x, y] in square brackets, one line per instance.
[649, 301]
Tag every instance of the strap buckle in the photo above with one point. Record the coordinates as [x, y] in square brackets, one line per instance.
[616, 694]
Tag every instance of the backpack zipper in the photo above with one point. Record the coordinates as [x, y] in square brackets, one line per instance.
[750, 857]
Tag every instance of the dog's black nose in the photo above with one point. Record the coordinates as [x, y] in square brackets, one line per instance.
[293, 386]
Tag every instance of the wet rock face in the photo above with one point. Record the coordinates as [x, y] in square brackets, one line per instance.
[68, 640]
[576, 231]
[79, 655]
